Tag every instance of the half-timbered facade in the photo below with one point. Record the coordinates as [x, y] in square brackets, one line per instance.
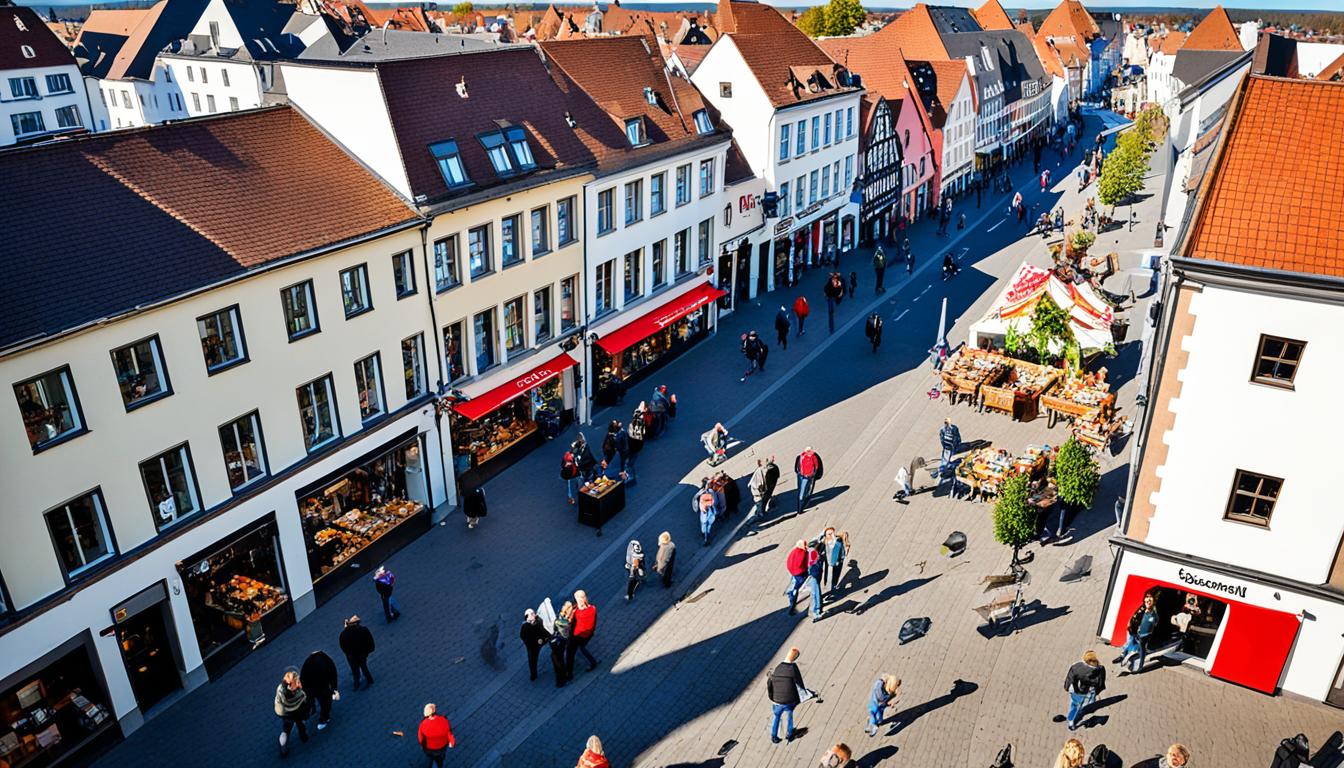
[881, 172]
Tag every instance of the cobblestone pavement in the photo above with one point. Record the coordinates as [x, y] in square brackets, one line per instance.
[682, 670]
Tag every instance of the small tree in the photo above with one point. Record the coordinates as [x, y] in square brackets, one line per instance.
[1076, 474]
[1014, 517]
[1122, 173]
[843, 17]
[1050, 327]
[813, 21]
[464, 8]
[1014, 341]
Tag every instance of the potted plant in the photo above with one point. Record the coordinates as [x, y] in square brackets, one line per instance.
[1014, 517]
[1081, 241]
[1076, 475]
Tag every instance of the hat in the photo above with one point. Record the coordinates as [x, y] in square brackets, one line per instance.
[529, 614]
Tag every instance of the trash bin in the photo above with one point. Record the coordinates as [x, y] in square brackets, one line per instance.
[1119, 329]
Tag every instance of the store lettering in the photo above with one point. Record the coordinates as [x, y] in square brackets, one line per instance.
[782, 228]
[1196, 580]
[672, 317]
[747, 202]
[534, 378]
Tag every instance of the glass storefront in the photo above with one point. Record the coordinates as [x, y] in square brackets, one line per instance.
[360, 506]
[50, 715]
[477, 441]
[614, 372]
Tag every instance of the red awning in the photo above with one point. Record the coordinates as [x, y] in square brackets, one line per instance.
[486, 402]
[646, 325]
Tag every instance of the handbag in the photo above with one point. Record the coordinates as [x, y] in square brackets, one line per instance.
[805, 695]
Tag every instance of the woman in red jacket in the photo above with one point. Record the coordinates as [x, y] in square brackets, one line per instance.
[801, 309]
[585, 623]
[436, 736]
[594, 756]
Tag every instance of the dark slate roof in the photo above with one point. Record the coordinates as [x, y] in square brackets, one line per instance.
[166, 21]
[950, 20]
[1015, 60]
[1191, 66]
[1276, 56]
[207, 200]
[48, 50]
[393, 44]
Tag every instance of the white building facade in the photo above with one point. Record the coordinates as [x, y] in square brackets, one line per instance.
[41, 90]
[959, 139]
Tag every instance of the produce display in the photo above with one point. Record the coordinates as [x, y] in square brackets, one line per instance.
[1085, 395]
[337, 538]
[964, 374]
[984, 470]
[1018, 392]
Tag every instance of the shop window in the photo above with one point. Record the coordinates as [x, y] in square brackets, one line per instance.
[605, 220]
[564, 221]
[369, 387]
[222, 339]
[355, 290]
[515, 326]
[634, 274]
[659, 264]
[50, 715]
[170, 485]
[413, 365]
[477, 441]
[1253, 498]
[403, 274]
[541, 231]
[813, 187]
[681, 251]
[1276, 362]
[447, 273]
[634, 201]
[569, 303]
[541, 314]
[235, 591]
[244, 455]
[657, 194]
[483, 336]
[783, 200]
[510, 233]
[453, 354]
[799, 190]
[300, 310]
[602, 288]
[706, 241]
[50, 408]
[479, 259]
[317, 413]
[79, 531]
[615, 369]
[683, 184]
[706, 177]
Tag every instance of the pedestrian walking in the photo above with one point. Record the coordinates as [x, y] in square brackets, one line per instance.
[873, 330]
[356, 643]
[473, 505]
[1071, 755]
[660, 403]
[585, 625]
[879, 270]
[384, 581]
[834, 290]
[621, 438]
[707, 506]
[755, 351]
[634, 567]
[853, 283]
[756, 485]
[771, 480]
[801, 310]
[796, 563]
[583, 456]
[594, 755]
[809, 469]
[784, 687]
[1176, 756]
[318, 676]
[909, 258]
[816, 565]
[1141, 626]
[569, 472]
[949, 438]
[885, 693]
[561, 637]
[292, 707]
[836, 546]
[961, 222]
[837, 756]
[635, 433]
[435, 736]
[666, 559]
[1085, 680]
[782, 326]
[715, 442]
[535, 637]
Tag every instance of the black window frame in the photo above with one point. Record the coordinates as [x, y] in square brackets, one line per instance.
[489, 252]
[495, 140]
[610, 217]
[238, 334]
[114, 552]
[81, 429]
[1261, 357]
[408, 285]
[337, 430]
[1251, 518]
[513, 136]
[641, 136]
[568, 234]
[166, 383]
[377, 357]
[519, 254]
[363, 271]
[190, 465]
[419, 338]
[254, 414]
[312, 303]
[545, 212]
[456, 263]
[444, 150]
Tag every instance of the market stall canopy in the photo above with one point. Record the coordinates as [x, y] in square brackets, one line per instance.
[486, 402]
[1090, 316]
[648, 324]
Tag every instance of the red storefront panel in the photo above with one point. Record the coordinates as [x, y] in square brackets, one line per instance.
[486, 402]
[648, 324]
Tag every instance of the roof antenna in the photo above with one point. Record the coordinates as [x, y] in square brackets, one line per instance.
[385, 23]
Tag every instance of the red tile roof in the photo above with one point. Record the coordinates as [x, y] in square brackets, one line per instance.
[1070, 18]
[1172, 42]
[1214, 33]
[1048, 55]
[992, 16]
[777, 52]
[1334, 71]
[914, 33]
[950, 76]
[1272, 198]
[21, 26]
[188, 205]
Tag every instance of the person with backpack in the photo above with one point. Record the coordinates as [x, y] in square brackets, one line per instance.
[784, 688]
[873, 330]
[1085, 680]
[634, 441]
[755, 351]
[715, 442]
[634, 568]
[801, 311]
[808, 468]
[796, 563]
[879, 270]
[583, 456]
[384, 581]
[782, 326]
[291, 706]
[473, 506]
[319, 678]
[569, 472]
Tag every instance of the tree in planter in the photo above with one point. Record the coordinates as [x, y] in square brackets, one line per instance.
[1050, 326]
[1082, 240]
[1122, 173]
[1076, 475]
[1014, 516]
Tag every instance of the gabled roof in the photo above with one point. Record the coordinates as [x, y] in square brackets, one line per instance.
[1172, 43]
[1214, 33]
[21, 27]
[1191, 66]
[1272, 198]
[102, 36]
[746, 17]
[616, 72]
[992, 16]
[1048, 55]
[208, 200]
[1334, 71]
[951, 20]
[1070, 18]
[915, 34]
[787, 63]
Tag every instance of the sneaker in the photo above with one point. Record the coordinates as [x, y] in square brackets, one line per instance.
[321, 726]
[774, 739]
[870, 730]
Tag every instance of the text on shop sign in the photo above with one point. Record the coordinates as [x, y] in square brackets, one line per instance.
[1195, 580]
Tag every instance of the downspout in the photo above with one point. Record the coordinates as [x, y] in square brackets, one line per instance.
[430, 285]
[586, 394]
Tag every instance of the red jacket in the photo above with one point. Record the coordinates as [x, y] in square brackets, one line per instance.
[436, 733]
[800, 307]
[585, 621]
[797, 561]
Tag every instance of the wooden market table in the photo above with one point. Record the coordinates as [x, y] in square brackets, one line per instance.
[1075, 399]
[597, 507]
[967, 373]
[1018, 392]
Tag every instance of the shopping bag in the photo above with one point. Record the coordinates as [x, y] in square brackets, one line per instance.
[805, 695]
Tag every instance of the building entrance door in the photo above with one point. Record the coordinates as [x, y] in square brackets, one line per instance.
[147, 648]
[763, 268]
[744, 271]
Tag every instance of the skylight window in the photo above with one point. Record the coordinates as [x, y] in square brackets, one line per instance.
[448, 160]
[508, 150]
[522, 153]
[634, 131]
[702, 124]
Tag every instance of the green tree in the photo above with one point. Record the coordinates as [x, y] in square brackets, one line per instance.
[843, 17]
[1050, 327]
[464, 8]
[1122, 172]
[1076, 474]
[1014, 517]
[813, 21]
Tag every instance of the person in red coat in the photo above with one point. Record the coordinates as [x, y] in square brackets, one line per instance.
[436, 736]
[585, 624]
[797, 565]
[801, 310]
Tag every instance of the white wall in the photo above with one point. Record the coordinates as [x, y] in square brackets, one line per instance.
[47, 103]
[749, 111]
[1312, 57]
[215, 11]
[129, 103]
[1218, 411]
[185, 85]
[959, 136]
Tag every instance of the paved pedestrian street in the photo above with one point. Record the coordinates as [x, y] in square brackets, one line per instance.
[681, 680]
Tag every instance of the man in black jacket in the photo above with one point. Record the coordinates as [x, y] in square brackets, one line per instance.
[535, 637]
[318, 677]
[357, 643]
[784, 687]
[1084, 682]
[873, 330]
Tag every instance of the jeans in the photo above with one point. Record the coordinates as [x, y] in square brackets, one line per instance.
[1135, 645]
[795, 584]
[876, 714]
[944, 464]
[706, 523]
[802, 320]
[572, 488]
[628, 467]
[787, 711]
[391, 610]
[814, 586]
[834, 574]
[436, 757]
[359, 664]
[804, 492]
[1077, 703]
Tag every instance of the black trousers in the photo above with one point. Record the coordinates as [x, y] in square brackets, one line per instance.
[436, 757]
[288, 722]
[558, 661]
[359, 664]
[533, 651]
[323, 707]
[576, 646]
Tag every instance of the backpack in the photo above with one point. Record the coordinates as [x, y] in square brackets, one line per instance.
[1100, 757]
[568, 469]
[636, 428]
[1291, 753]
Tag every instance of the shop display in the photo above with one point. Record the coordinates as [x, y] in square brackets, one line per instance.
[476, 441]
[231, 589]
[984, 469]
[972, 368]
[1080, 395]
[46, 719]
[600, 500]
[615, 370]
[1018, 391]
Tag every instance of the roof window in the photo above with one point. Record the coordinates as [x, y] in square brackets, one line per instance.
[27, 51]
[650, 96]
[449, 162]
[508, 150]
[702, 124]
[634, 131]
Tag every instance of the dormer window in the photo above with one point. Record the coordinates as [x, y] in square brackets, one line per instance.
[27, 51]
[448, 160]
[650, 97]
[498, 153]
[985, 57]
[634, 131]
[508, 151]
[702, 124]
[522, 153]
